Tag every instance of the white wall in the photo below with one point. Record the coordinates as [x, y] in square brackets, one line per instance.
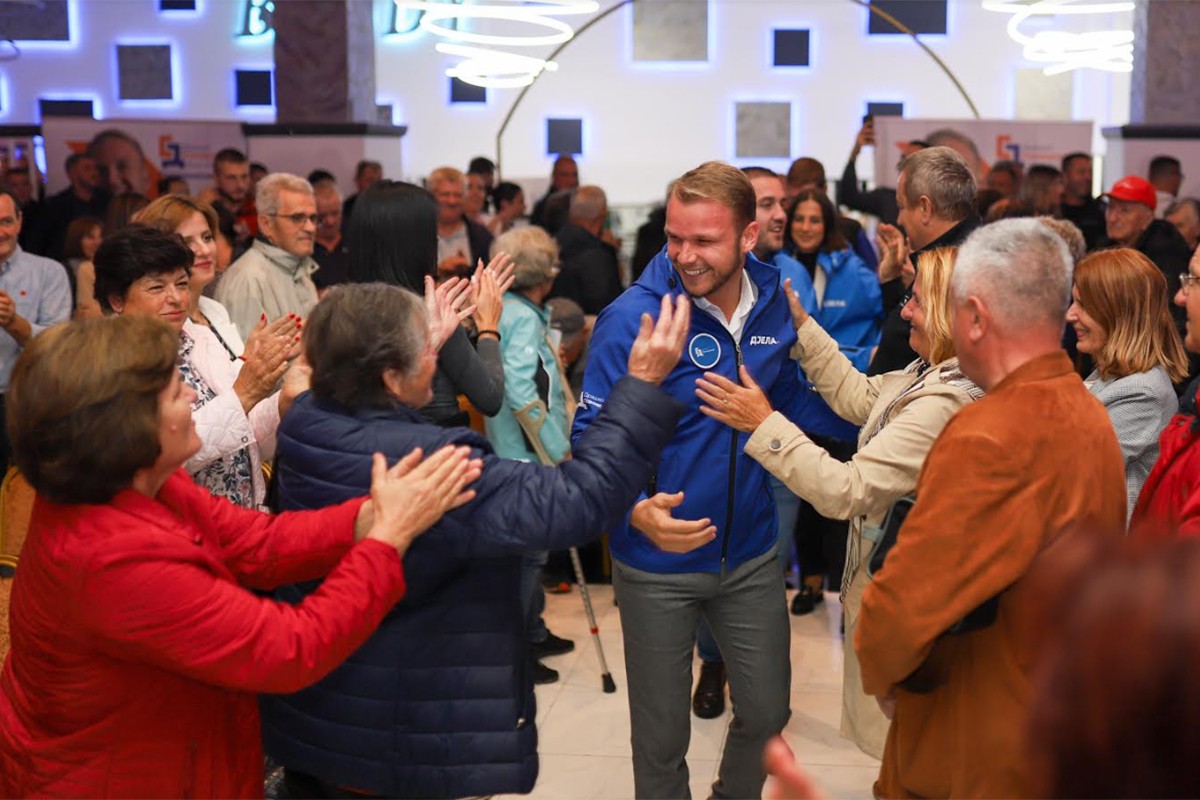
[643, 124]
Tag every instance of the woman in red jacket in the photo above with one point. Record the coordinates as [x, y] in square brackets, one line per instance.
[137, 645]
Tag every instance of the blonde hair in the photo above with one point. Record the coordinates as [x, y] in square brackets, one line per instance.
[446, 175]
[170, 211]
[719, 182]
[935, 268]
[1127, 296]
[534, 255]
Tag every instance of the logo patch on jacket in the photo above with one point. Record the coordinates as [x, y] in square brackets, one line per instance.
[704, 350]
[763, 340]
[834, 304]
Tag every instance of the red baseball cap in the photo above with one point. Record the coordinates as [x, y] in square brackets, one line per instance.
[1134, 190]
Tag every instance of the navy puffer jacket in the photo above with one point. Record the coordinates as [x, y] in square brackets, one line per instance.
[439, 702]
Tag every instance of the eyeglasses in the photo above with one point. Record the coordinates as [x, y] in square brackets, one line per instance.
[1187, 280]
[910, 298]
[298, 218]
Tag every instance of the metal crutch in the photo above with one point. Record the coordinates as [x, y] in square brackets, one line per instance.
[606, 677]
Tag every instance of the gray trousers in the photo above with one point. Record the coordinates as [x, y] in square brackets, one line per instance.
[746, 610]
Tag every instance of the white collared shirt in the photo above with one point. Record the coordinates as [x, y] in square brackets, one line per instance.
[740, 314]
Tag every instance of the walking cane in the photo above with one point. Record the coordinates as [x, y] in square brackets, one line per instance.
[606, 678]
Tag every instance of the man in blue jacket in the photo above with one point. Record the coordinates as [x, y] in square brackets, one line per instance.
[700, 540]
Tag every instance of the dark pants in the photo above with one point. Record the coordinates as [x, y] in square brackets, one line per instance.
[820, 541]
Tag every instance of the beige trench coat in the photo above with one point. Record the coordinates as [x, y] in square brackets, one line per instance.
[862, 490]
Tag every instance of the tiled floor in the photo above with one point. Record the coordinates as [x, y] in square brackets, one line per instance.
[584, 733]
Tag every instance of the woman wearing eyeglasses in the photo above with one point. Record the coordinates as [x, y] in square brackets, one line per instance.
[901, 414]
[1122, 319]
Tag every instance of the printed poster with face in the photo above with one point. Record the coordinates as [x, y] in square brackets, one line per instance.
[132, 155]
[996, 140]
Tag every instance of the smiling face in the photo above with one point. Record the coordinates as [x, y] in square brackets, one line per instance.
[199, 239]
[769, 214]
[10, 227]
[1090, 335]
[808, 226]
[164, 296]
[122, 166]
[449, 196]
[914, 312]
[1190, 300]
[707, 249]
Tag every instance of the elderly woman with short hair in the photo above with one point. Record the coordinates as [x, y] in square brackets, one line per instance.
[138, 645]
[534, 422]
[901, 414]
[439, 703]
[147, 271]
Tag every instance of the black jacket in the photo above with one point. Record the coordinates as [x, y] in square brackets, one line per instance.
[590, 275]
[894, 352]
[880, 202]
[1089, 218]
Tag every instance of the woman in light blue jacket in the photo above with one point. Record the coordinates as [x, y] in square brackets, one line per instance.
[534, 422]
[1122, 320]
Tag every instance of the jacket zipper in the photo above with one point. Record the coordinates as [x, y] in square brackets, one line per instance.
[733, 453]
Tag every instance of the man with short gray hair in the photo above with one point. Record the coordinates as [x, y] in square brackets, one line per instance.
[274, 277]
[947, 635]
[936, 197]
[590, 274]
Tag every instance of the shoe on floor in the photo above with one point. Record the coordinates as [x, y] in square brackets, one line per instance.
[559, 587]
[806, 600]
[709, 700]
[552, 646]
[543, 674]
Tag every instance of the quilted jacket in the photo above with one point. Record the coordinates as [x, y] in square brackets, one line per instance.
[439, 702]
[137, 649]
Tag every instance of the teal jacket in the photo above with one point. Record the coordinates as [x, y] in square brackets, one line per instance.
[535, 404]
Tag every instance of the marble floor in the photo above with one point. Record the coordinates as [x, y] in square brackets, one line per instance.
[584, 734]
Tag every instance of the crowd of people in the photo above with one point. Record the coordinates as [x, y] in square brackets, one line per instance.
[301, 461]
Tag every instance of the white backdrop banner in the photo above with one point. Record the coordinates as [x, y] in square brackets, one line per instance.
[167, 147]
[997, 139]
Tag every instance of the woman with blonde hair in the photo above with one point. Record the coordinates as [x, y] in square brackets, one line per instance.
[901, 414]
[1122, 319]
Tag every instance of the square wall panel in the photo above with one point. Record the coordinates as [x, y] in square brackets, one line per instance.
[763, 130]
[885, 109]
[463, 92]
[43, 21]
[1040, 96]
[564, 137]
[254, 87]
[176, 5]
[144, 72]
[921, 16]
[791, 48]
[670, 30]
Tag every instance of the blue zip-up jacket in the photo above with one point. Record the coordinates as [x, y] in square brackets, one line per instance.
[705, 459]
[852, 308]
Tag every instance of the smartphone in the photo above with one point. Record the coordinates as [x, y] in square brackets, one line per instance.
[868, 119]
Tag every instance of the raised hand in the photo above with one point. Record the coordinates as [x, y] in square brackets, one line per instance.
[742, 407]
[799, 313]
[412, 496]
[893, 252]
[489, 297]
[652, 517]
[268, 350]
[446, 305]
[659, 344]
[503, 267]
